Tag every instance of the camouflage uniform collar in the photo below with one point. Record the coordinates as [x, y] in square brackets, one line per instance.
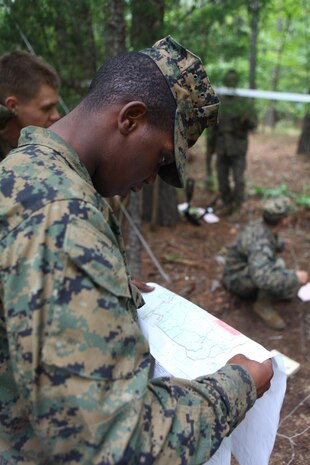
[33, 135]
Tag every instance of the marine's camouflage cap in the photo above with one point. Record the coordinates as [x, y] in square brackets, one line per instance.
[276, 208]
[197, 104]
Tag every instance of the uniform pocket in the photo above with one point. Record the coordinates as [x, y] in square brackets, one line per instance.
[98, 256]
[92, 334]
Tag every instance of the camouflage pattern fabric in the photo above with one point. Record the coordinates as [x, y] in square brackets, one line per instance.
[75, 383]
[277, 208]
[252, 264]
[236, 118]
[236, 165]
[229, 139]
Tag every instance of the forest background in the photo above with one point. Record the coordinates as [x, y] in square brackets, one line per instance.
[267, 41]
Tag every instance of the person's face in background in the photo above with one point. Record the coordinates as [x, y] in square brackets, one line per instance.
[231, 79]
[38, 111]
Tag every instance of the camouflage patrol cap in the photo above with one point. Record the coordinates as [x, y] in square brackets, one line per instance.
[5, 116]
[197, 104]
[276, 208]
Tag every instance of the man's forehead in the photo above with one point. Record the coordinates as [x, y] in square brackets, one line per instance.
[47, 93]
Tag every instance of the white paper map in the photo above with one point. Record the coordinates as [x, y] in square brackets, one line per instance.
[187, 340]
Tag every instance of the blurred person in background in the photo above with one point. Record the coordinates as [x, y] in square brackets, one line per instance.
[229, 140]
[252, 268]
[28, 96]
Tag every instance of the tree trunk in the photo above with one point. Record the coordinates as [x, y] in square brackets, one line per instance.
[147, 22]
[304, 139]
[161, 209]
[115, 38]
[254, 10]
[271, 116]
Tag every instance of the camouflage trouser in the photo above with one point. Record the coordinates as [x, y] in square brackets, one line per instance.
[235, 165]
[241, 283]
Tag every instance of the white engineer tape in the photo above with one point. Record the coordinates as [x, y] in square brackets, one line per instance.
[266, 94]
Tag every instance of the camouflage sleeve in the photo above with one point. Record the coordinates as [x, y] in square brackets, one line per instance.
[83, 366]
[267, 274]
[249, 115]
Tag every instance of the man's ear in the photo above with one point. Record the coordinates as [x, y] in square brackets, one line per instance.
[11, 102]
[130, 116]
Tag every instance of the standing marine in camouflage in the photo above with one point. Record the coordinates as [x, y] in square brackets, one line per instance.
[253, 269]
[75, 372]
[229, 140]
[28, 95]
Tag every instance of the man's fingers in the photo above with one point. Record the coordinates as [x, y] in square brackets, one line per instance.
[261, 373]
[142, 286]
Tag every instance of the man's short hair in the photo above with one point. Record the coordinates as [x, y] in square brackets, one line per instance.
[133, 76]
[22, 74]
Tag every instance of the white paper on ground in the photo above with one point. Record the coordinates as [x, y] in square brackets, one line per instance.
[211, 218]
[208, 217]
[304, 292]
[182, 207]
[188, 342]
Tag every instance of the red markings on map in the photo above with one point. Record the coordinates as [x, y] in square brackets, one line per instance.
[228, 328]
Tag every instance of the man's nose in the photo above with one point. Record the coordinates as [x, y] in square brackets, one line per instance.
[54, 116]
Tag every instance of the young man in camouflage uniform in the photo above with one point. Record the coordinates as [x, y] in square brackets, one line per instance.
[253, 269]
[75, 373]
[28, 95]
[229, 140]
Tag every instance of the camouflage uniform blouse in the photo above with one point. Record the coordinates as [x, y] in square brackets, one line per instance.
[75, 368]
[251, 263]
[236, 118]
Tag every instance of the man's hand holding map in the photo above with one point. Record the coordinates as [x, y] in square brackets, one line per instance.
[188, 342]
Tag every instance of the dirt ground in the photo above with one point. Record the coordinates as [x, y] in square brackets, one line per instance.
[272, 161]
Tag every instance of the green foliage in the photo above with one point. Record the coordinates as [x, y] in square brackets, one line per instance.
[72, 37]
[303, 200]
[58, 31]
[267, 192]
[201, 24]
